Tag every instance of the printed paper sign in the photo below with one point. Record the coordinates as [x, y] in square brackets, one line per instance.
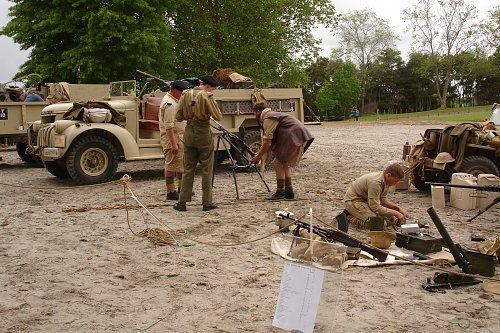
[298, 301]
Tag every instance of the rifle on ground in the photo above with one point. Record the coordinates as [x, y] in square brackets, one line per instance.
[340, 236]
[486, 188]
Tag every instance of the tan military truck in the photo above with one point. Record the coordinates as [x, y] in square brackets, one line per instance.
[471, 148]
[124, 127]
[15, 116]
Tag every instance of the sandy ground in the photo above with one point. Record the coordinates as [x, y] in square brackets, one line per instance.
[72, 262]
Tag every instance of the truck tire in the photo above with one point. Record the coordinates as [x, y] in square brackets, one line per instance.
[476, 165]
[92, 160]
[254, 142]
[21, 152]
[57, 168]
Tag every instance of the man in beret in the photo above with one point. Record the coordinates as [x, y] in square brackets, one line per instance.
[171, 133]
[288, 139]
[196, 106]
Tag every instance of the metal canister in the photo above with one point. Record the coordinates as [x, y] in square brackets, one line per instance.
[406, 150]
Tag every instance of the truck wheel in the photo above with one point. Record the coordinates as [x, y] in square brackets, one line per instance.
[57, 168]
[21, 151]
[254, 142]
[476, 165]
[92, 160]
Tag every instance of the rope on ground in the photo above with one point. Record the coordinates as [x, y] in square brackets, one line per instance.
[166, 237]
[61, 187]
[414, 262]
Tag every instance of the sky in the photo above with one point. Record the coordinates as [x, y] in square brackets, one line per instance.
[12, 57]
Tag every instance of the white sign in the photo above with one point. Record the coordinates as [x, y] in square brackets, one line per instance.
[298, 301]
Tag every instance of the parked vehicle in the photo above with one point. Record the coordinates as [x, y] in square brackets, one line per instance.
[15, 116]
[471, 148]
[126, 129]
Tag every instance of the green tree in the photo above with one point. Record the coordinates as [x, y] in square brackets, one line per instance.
[443, 32]
[105, 39]
[363, 37]
[336, 97]
[264, 39]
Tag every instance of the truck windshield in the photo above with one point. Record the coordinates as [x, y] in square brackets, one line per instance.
[122, 88]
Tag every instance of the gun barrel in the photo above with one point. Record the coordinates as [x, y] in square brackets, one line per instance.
[461, 260]
[152, 76]
[487, 188]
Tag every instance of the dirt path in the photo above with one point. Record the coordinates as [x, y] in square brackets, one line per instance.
[71, 263]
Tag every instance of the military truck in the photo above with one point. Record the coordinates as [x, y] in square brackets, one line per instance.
[471, 148]
[15, 116]
[88, 150]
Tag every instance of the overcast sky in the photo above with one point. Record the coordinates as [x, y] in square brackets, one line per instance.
[11, 57]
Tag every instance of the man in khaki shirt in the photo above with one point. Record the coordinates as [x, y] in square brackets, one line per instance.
[197, 106]
[171, 133]
[367, 197]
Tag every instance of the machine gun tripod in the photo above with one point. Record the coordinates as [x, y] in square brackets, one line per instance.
[229, 140]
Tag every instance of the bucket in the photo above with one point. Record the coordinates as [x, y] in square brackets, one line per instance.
[463, 198]
[377, 223]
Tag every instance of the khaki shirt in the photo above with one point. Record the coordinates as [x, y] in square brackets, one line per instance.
[199, 105]
[268, 125]
[369, 188]
[166, 117]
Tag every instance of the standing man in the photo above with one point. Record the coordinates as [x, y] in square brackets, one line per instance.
[355, 113]
[288, 139]
[197, 106]
[171, 133]
[367, 197]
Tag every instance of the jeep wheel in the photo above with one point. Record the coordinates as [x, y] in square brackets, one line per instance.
[418, 182]
[92, 160]
[57, 168]
[476, 165]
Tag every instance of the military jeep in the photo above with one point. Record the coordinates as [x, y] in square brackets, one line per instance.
[89, 151]
[474, 149]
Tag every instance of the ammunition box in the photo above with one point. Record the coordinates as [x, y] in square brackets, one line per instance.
[482, 264]
[422, 243]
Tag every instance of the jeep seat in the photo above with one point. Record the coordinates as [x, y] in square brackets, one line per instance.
[150, 122]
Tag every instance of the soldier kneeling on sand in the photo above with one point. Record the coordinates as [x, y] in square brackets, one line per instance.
[367, 197]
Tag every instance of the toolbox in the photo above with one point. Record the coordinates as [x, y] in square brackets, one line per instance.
[422, 243]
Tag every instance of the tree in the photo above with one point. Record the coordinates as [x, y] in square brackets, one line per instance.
[263, 39]
[99, 40]
[363, 37]
[490, 30]
[443, 32]
[340, 93]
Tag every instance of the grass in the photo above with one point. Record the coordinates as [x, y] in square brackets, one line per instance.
[465, 114]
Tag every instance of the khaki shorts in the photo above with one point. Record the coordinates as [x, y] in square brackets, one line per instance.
[174, 163]
[297, 156]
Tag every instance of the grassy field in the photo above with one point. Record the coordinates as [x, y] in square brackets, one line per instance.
[465, 114]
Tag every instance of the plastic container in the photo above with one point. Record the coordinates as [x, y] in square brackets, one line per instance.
[438, 200]
[485, 198]
[463, 198]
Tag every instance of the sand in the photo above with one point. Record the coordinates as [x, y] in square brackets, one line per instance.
[72, 260]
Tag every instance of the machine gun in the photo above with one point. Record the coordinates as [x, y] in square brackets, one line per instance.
[486, 188]
[339, 236]
[241, 148]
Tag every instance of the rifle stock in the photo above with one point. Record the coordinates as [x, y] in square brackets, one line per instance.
[342, 237]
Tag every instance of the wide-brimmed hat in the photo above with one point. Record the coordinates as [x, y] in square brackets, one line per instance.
[209, 79]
